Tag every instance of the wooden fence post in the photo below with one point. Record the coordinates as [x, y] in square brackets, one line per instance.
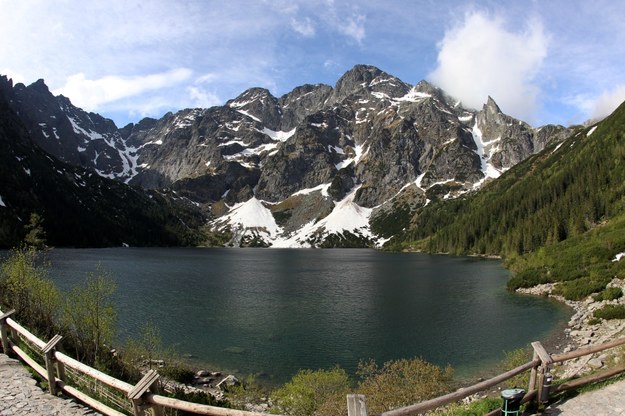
[356, 405]
[3, 331]
[148, 382]
[532, 382]
[546, 361]
[48, 351]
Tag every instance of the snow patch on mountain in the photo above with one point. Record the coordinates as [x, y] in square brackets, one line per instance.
[591, 131]
[488, 170]
[359, 154]
[419, 180]
[188, 119]
[247, 114]
[323, 188]
[557, 147]
[251, 214]
[413, 96]
[2, 204]
[380, 95]
[381, 80]
[280, 136]
[79, 130]
[347, 216]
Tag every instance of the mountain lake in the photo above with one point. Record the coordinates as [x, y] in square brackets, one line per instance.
[271, 312]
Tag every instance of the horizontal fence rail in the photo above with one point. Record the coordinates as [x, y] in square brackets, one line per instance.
[142, 396]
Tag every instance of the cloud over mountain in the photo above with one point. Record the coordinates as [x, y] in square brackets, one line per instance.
[480, 56]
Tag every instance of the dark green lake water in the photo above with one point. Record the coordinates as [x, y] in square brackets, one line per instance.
[274, 311]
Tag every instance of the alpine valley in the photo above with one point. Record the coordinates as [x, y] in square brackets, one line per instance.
[321, 166]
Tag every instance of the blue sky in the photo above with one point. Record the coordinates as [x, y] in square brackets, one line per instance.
[559, 61]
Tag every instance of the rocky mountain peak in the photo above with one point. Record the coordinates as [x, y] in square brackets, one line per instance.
[426, 87]
[40, 86]
[251, 95]
[5, 82]
[491, 106]
[368, 77]
[259, 104]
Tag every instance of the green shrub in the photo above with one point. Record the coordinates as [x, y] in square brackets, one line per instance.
[578, 289]
[320, 392]
[525, 278]
[24, 286]
[178, 372]
[90, 316]
[514, 359]
[610, 312]
[609, 293]
[248, 392]
[401, 383]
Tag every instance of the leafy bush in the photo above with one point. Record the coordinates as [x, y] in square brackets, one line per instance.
[401, 383]
[320, 392]
[90, 316]
[526, 278]
[178, 372]
[24, 286]
[610, 312]
[609, 293]
[578, 289]
[594, 321]
[249, 391]
[514, 359]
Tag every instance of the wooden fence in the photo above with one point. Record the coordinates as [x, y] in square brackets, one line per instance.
[538, 389]
[64, 373]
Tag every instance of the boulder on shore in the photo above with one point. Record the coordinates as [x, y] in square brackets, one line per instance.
[229, 381]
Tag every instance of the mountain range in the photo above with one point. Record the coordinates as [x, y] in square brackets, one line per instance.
[320, 166]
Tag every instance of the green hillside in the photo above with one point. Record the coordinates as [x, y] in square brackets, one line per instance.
[559, 215]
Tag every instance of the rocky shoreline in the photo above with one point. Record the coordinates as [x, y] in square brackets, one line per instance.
[581, 331]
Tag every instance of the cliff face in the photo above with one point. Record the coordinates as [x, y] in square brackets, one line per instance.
[366, 142]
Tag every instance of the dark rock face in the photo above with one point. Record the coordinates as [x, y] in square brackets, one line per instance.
[302, 101]
[71, 134]
[78, 207]
[371, 138]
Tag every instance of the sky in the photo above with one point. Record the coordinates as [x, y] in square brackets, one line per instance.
[558, 61]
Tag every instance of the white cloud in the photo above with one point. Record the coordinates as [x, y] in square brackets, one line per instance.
[91, 94]
[354, 27]
[201, 98]
[207, 78]
[607, 102]
[304, 27]
[480, 57]
[16, 77]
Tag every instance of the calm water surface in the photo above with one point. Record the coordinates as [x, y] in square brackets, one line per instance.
[272, 312]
